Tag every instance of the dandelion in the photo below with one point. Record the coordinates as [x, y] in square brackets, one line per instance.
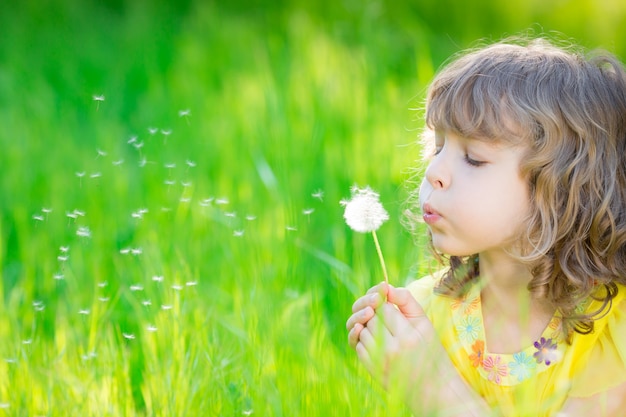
[230, 214]
[38, 217]
[166, 307]
[153, 130]
[136, 287]
[191, 283]
[165, 133]
[64, 249]
[157, 278]
[250, 217]
[125, 251]
[63, 258]
[79, 213]
[238, 233]
[364, 213]
[84, 312]
[27, 341]
[46, 211]
[170, 165]
[138, 145]
[185, 199]
[128, 336]
[58, 276]
[95, 175]
[177, 287]
[4, 406]
[146, 303]
[190, 164]
[136, 251]
[151, 328]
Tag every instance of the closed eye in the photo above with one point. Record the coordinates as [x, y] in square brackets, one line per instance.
[473, 162]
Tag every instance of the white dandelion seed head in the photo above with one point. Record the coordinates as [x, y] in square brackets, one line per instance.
[364, 212]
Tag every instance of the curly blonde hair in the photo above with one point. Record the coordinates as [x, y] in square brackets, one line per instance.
[570, 108]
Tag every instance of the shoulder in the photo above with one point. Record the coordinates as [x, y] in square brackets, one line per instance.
[602, 354]
[422, 288]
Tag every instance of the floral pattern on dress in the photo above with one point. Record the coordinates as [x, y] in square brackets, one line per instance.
[478, 354]
[503, 369]
[495, 368]
[469, 329]
[522, 366]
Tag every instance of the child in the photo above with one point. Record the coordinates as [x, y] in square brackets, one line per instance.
[524, 197]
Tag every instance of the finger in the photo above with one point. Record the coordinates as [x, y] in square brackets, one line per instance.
[373, 298]
[378, 330]
[394, 321]
[361, 316]
[354, 334]
[406, 303]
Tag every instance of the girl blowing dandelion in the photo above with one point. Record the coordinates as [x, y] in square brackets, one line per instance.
[524, 197]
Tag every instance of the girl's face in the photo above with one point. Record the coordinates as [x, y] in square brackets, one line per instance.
[473, 197]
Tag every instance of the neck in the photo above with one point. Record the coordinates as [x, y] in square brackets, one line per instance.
[505, 284]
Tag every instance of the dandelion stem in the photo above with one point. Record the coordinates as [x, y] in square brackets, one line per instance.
[380, 256]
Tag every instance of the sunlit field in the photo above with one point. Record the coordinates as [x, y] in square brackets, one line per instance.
[172, 242]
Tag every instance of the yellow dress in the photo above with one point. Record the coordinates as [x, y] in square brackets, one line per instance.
[537, 380]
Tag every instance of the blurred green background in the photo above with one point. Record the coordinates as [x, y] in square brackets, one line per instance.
[171, 239]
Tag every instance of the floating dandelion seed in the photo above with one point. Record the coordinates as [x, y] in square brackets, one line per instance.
[319, 194]
[138, 145]
[79, 213]
[103, 299]
[186, 184]
[165, 133]
[46, 211]
[191, 283]
[103, 284]
[157, 278]
[238, 233]
[184, 113]
[10, 360]
[27, 341]
[190, 164]
[146, 303]
[250, 217]
[125, 251]
[4, 406]
[177, 287]
[63, 258]
[118, 162]
[247, 412]
[80, 176]
[136, 287]
[364, 213]
[151, 328]
[221, 201]
[100, 153]
[128, 336]
[291, 228]
[169, 182]
[98, 99]
[230, 214]
[166, 307]
[170, 165]
[58, 277]
[64, 249]
[38, 217]
[84, 312]
[83, 231]
[185, 199]
[136, 251]
[96, 175]
[153, 130]
[132, 140]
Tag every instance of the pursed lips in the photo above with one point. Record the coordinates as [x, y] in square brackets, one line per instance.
[429, 215]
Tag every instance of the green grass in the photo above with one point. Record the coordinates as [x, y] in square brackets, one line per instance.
[249, 315]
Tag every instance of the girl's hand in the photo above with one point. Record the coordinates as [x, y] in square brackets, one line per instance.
[399, 347]
[393, 337]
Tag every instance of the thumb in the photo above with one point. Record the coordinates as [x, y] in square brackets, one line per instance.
[406, 303]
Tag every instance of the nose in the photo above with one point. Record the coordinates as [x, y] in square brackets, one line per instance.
[436, 173]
